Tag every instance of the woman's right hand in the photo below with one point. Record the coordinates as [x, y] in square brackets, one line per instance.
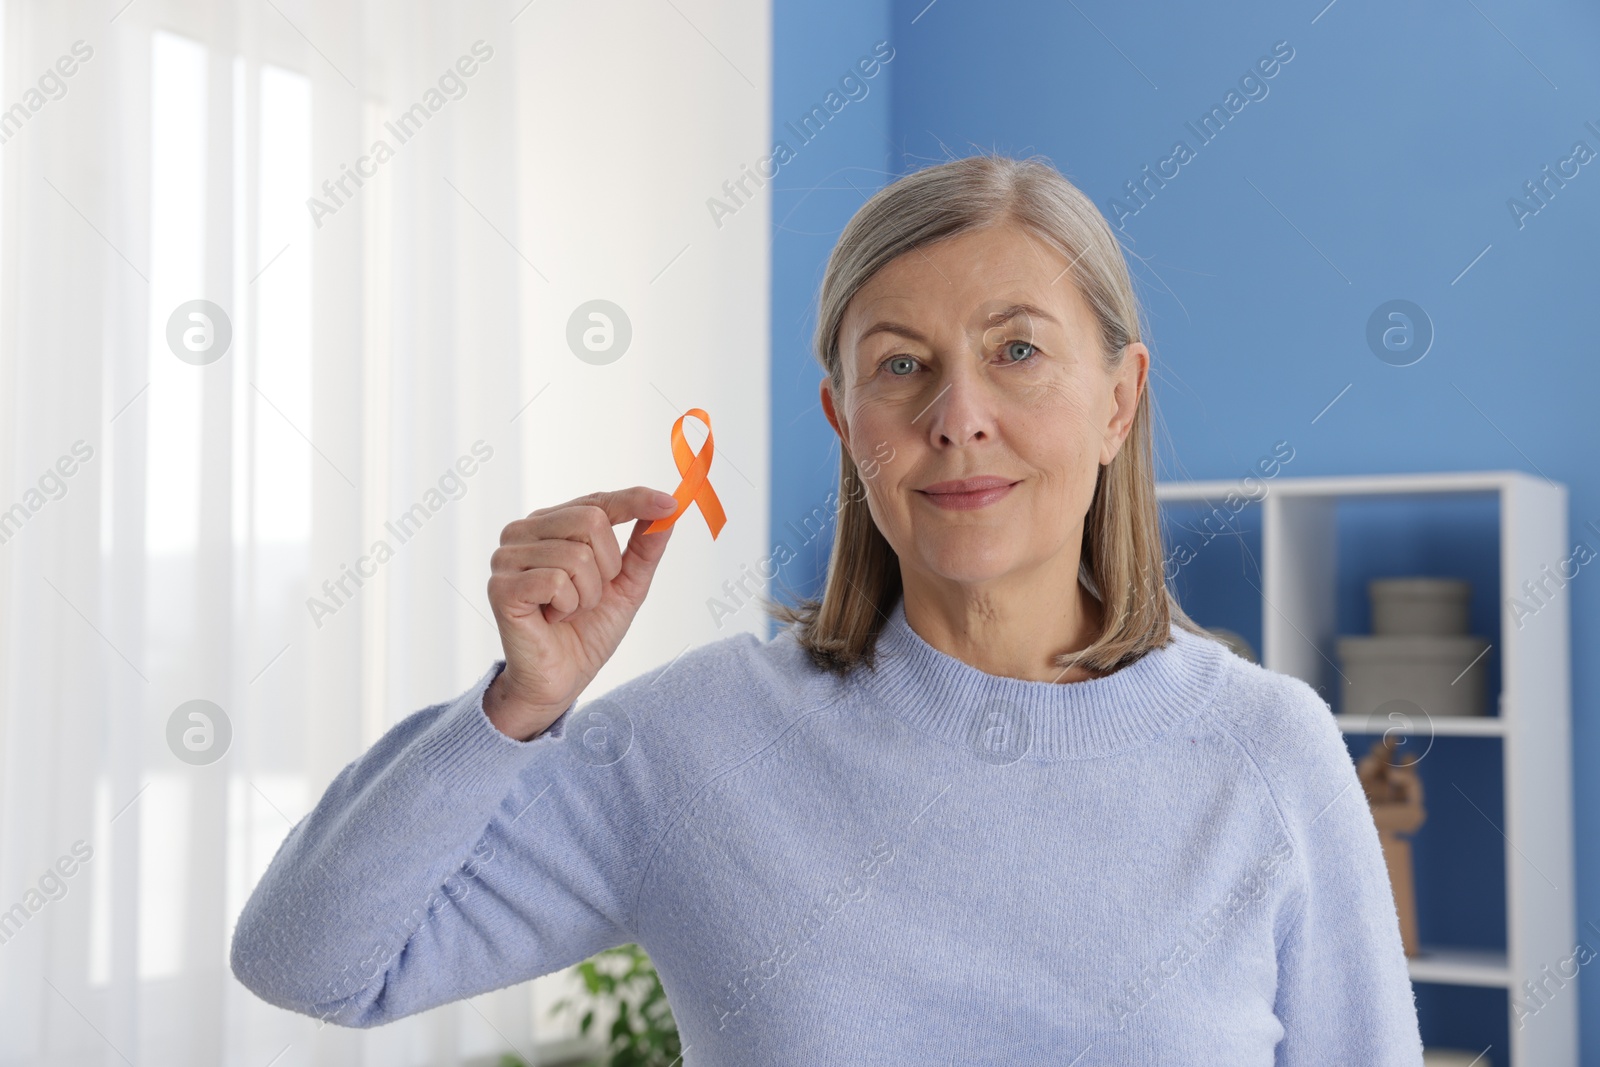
[563, 595]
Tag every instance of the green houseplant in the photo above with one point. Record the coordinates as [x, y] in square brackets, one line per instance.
[643, 1033]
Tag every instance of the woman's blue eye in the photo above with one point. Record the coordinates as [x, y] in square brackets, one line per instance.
[908, 364]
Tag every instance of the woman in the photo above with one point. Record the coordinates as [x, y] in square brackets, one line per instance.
[993, 798]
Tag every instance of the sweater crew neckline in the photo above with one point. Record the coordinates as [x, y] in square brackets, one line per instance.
[1006, 719]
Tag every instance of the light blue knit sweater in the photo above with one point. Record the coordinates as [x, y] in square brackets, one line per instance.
[922, 865]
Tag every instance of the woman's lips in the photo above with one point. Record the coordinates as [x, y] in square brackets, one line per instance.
[970, 499]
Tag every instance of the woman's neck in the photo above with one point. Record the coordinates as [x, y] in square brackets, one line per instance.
[1009, 635]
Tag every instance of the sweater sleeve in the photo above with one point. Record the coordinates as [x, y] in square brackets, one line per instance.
[447, 861]
[1344, 990]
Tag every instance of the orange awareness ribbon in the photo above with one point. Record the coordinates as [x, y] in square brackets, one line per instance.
[694, 487]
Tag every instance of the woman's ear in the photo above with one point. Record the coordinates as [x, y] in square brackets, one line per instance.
[1128, 385]
[825, 390]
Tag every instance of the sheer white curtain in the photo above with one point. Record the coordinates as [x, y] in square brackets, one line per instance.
[184, 522]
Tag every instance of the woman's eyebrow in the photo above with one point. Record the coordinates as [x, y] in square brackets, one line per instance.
[1007, 314]
[995, 319]
[885, 326]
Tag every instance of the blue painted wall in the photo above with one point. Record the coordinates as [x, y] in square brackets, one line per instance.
[836, 165]
[1382, 160]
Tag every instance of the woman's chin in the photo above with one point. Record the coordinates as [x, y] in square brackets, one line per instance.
[970, 564]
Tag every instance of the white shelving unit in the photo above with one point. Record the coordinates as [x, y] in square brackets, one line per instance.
[1532, 730]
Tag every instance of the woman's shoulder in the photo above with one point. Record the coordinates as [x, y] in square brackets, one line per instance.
[740, 671]
[1248, 693]
[716, 701]
[1287, 730]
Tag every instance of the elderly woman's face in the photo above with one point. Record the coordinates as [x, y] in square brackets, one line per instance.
[978, 406]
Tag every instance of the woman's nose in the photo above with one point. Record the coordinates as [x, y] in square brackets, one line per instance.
[963, 408]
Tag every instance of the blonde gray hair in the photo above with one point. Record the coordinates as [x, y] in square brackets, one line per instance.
[1122, 554]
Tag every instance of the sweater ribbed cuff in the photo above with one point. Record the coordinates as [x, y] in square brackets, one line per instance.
[463, 747]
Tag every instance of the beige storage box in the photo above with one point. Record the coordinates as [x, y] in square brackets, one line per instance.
[1419, 605]
[1452, 1057]
[1441, 675]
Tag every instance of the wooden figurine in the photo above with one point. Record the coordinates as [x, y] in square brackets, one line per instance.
[1394, 792]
